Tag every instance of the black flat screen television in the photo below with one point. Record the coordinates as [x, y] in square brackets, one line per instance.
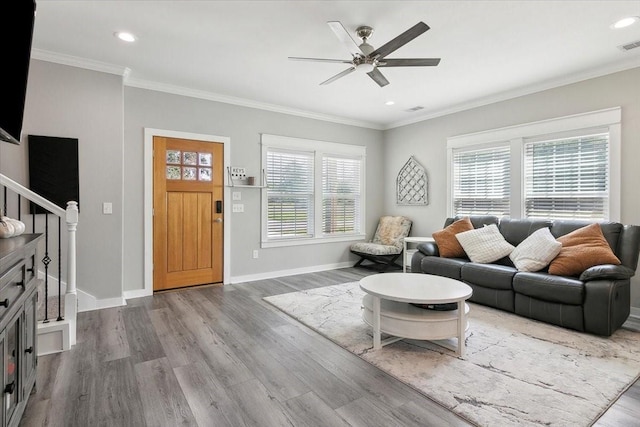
[15, 55]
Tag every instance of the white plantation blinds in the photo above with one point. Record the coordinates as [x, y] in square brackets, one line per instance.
[341, 194]
[481, 181]
[567, 178]
[290, 194]
[315, 191]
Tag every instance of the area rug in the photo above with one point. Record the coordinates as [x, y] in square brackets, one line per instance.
[516, 371]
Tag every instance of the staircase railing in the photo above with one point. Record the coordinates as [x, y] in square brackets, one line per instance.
[12, 195]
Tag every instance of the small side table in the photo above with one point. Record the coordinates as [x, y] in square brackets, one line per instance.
[408, 252]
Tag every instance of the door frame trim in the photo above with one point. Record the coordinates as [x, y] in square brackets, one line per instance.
[149, 133]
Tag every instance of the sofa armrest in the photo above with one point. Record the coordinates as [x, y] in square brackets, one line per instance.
[607, 271]
[429, 248]
[606, 305]
[416, 262]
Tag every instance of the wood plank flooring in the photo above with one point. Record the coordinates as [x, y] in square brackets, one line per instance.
[220, 356]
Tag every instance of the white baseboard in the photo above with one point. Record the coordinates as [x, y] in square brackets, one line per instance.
[292, 272]
[137, 293]
[87, 302]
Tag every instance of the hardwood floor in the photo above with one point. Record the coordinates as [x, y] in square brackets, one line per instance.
[220, 356]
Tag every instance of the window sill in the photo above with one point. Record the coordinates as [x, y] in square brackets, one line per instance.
[311, 241]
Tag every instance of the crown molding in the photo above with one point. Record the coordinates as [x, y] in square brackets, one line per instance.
[178, 90]
[125, 72]
[522, 91]
[78, 62]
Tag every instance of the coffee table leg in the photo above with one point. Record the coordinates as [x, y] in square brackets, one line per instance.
[376, 323]
[461, 328]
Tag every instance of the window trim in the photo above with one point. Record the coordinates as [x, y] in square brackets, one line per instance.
[318, 148]
[515, 136]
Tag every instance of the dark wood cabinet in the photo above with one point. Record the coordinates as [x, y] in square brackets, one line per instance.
[18, 323]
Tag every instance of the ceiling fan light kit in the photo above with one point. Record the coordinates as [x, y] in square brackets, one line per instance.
[366, 59]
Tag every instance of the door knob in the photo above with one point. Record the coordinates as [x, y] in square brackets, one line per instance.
[218, 220]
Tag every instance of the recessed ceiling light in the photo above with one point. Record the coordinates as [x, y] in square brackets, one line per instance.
[124, 36]
[389, 103]
[625, 22]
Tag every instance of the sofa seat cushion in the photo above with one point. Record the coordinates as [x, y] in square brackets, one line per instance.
[488, 275]
[447, 267]
[375, 249]
[548, 287]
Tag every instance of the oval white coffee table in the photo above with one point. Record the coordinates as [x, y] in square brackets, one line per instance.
[388, 308]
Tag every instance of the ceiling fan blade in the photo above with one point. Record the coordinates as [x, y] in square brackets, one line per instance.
[409, 62]
[337, 76]
[345, 38]
[377, 77]
[401, 40]
[340, 61]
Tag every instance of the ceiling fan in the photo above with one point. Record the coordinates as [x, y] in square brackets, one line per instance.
[367, 59]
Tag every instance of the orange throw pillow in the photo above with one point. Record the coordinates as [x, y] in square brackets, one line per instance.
[448, 245]
[581, 249]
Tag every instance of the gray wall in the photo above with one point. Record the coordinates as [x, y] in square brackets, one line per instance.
[427, 141]
[109, 121]
[72, 102]
[151, 109]
[95, 108]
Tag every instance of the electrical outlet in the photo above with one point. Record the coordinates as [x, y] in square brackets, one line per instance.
[237, 207]
[255, 254]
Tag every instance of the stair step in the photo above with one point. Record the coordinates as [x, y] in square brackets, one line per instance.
[52, 304]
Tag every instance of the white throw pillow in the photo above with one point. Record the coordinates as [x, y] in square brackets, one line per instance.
[536, 251]
[484, 245]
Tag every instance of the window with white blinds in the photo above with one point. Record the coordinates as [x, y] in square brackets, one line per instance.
[481, 181]
[290, 194]
[567, 178]
[341, 185]
[315, 191]
[561, 168]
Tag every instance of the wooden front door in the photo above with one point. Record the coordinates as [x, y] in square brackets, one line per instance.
[188, 191]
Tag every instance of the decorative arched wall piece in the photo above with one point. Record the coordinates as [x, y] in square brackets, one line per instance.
[411, 184]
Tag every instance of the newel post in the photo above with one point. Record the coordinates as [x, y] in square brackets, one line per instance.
[71, 297]
[72, 222]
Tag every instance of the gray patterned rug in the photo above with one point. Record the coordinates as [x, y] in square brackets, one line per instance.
[515, 370]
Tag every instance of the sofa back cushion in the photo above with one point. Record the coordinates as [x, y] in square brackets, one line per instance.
[516, 230]
[477, 220]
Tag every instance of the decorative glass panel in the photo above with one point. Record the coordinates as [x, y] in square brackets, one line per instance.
[173, 172]
[190, 158]
[205, 174]
[204, 159]
[188, 174]
[173, 157]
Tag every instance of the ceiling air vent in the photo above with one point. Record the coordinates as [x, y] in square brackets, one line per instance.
[417, 108]
[629, 46]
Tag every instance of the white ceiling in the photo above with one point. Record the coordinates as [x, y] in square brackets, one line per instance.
[237, 51]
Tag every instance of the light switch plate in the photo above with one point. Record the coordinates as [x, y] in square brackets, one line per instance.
[107, 208]
[236, 195]
[238, 207]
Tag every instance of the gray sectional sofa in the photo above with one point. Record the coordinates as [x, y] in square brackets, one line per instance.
[597, 301]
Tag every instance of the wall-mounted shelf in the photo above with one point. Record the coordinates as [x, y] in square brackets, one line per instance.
[244, 182]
